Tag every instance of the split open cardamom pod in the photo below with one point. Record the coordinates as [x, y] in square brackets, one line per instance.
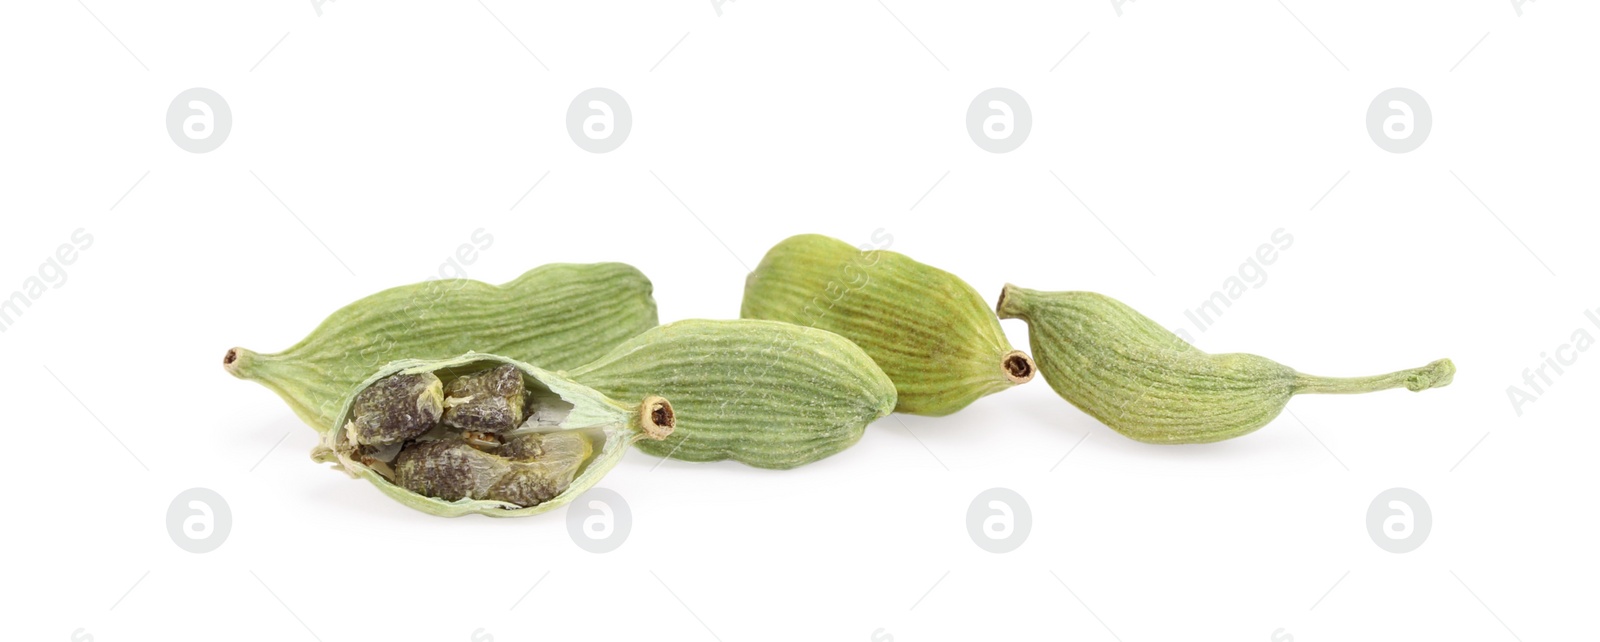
[1145, 382]
[558, 316]
[931, 332]
[571, 436]
[769, 394]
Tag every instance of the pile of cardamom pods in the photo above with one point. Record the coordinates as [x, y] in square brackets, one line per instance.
[457, 397]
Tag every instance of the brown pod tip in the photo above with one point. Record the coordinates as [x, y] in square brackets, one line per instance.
[234, 361]
[656, 418]
[1018, 367]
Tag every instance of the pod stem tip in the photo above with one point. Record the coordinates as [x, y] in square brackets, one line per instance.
[236, 360]
[1434, 375]
[1000, 305]
[656, 417]
[1018, 366]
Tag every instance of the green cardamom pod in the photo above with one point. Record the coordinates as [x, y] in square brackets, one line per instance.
[558, 316]
[573, 436]
[1147, 383]
[769, 394]
[931, 332]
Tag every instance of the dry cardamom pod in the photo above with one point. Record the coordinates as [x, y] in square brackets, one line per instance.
[930, 331]
[1145, 382]
[559, 316]
[769, 394]
[573, 436]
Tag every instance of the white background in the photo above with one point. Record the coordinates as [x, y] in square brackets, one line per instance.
[391, 131]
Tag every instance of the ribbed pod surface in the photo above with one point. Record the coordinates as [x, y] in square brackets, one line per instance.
[930, 331]
[1145, 382]
[771, 395]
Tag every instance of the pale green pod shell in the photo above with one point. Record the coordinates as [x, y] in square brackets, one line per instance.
[559, 316]
[1147, 383]
[611, 426]
[769, 394]
[932, 333]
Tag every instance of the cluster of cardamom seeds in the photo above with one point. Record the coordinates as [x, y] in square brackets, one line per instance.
[832, 337]
[485, 434]
[454, 441]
